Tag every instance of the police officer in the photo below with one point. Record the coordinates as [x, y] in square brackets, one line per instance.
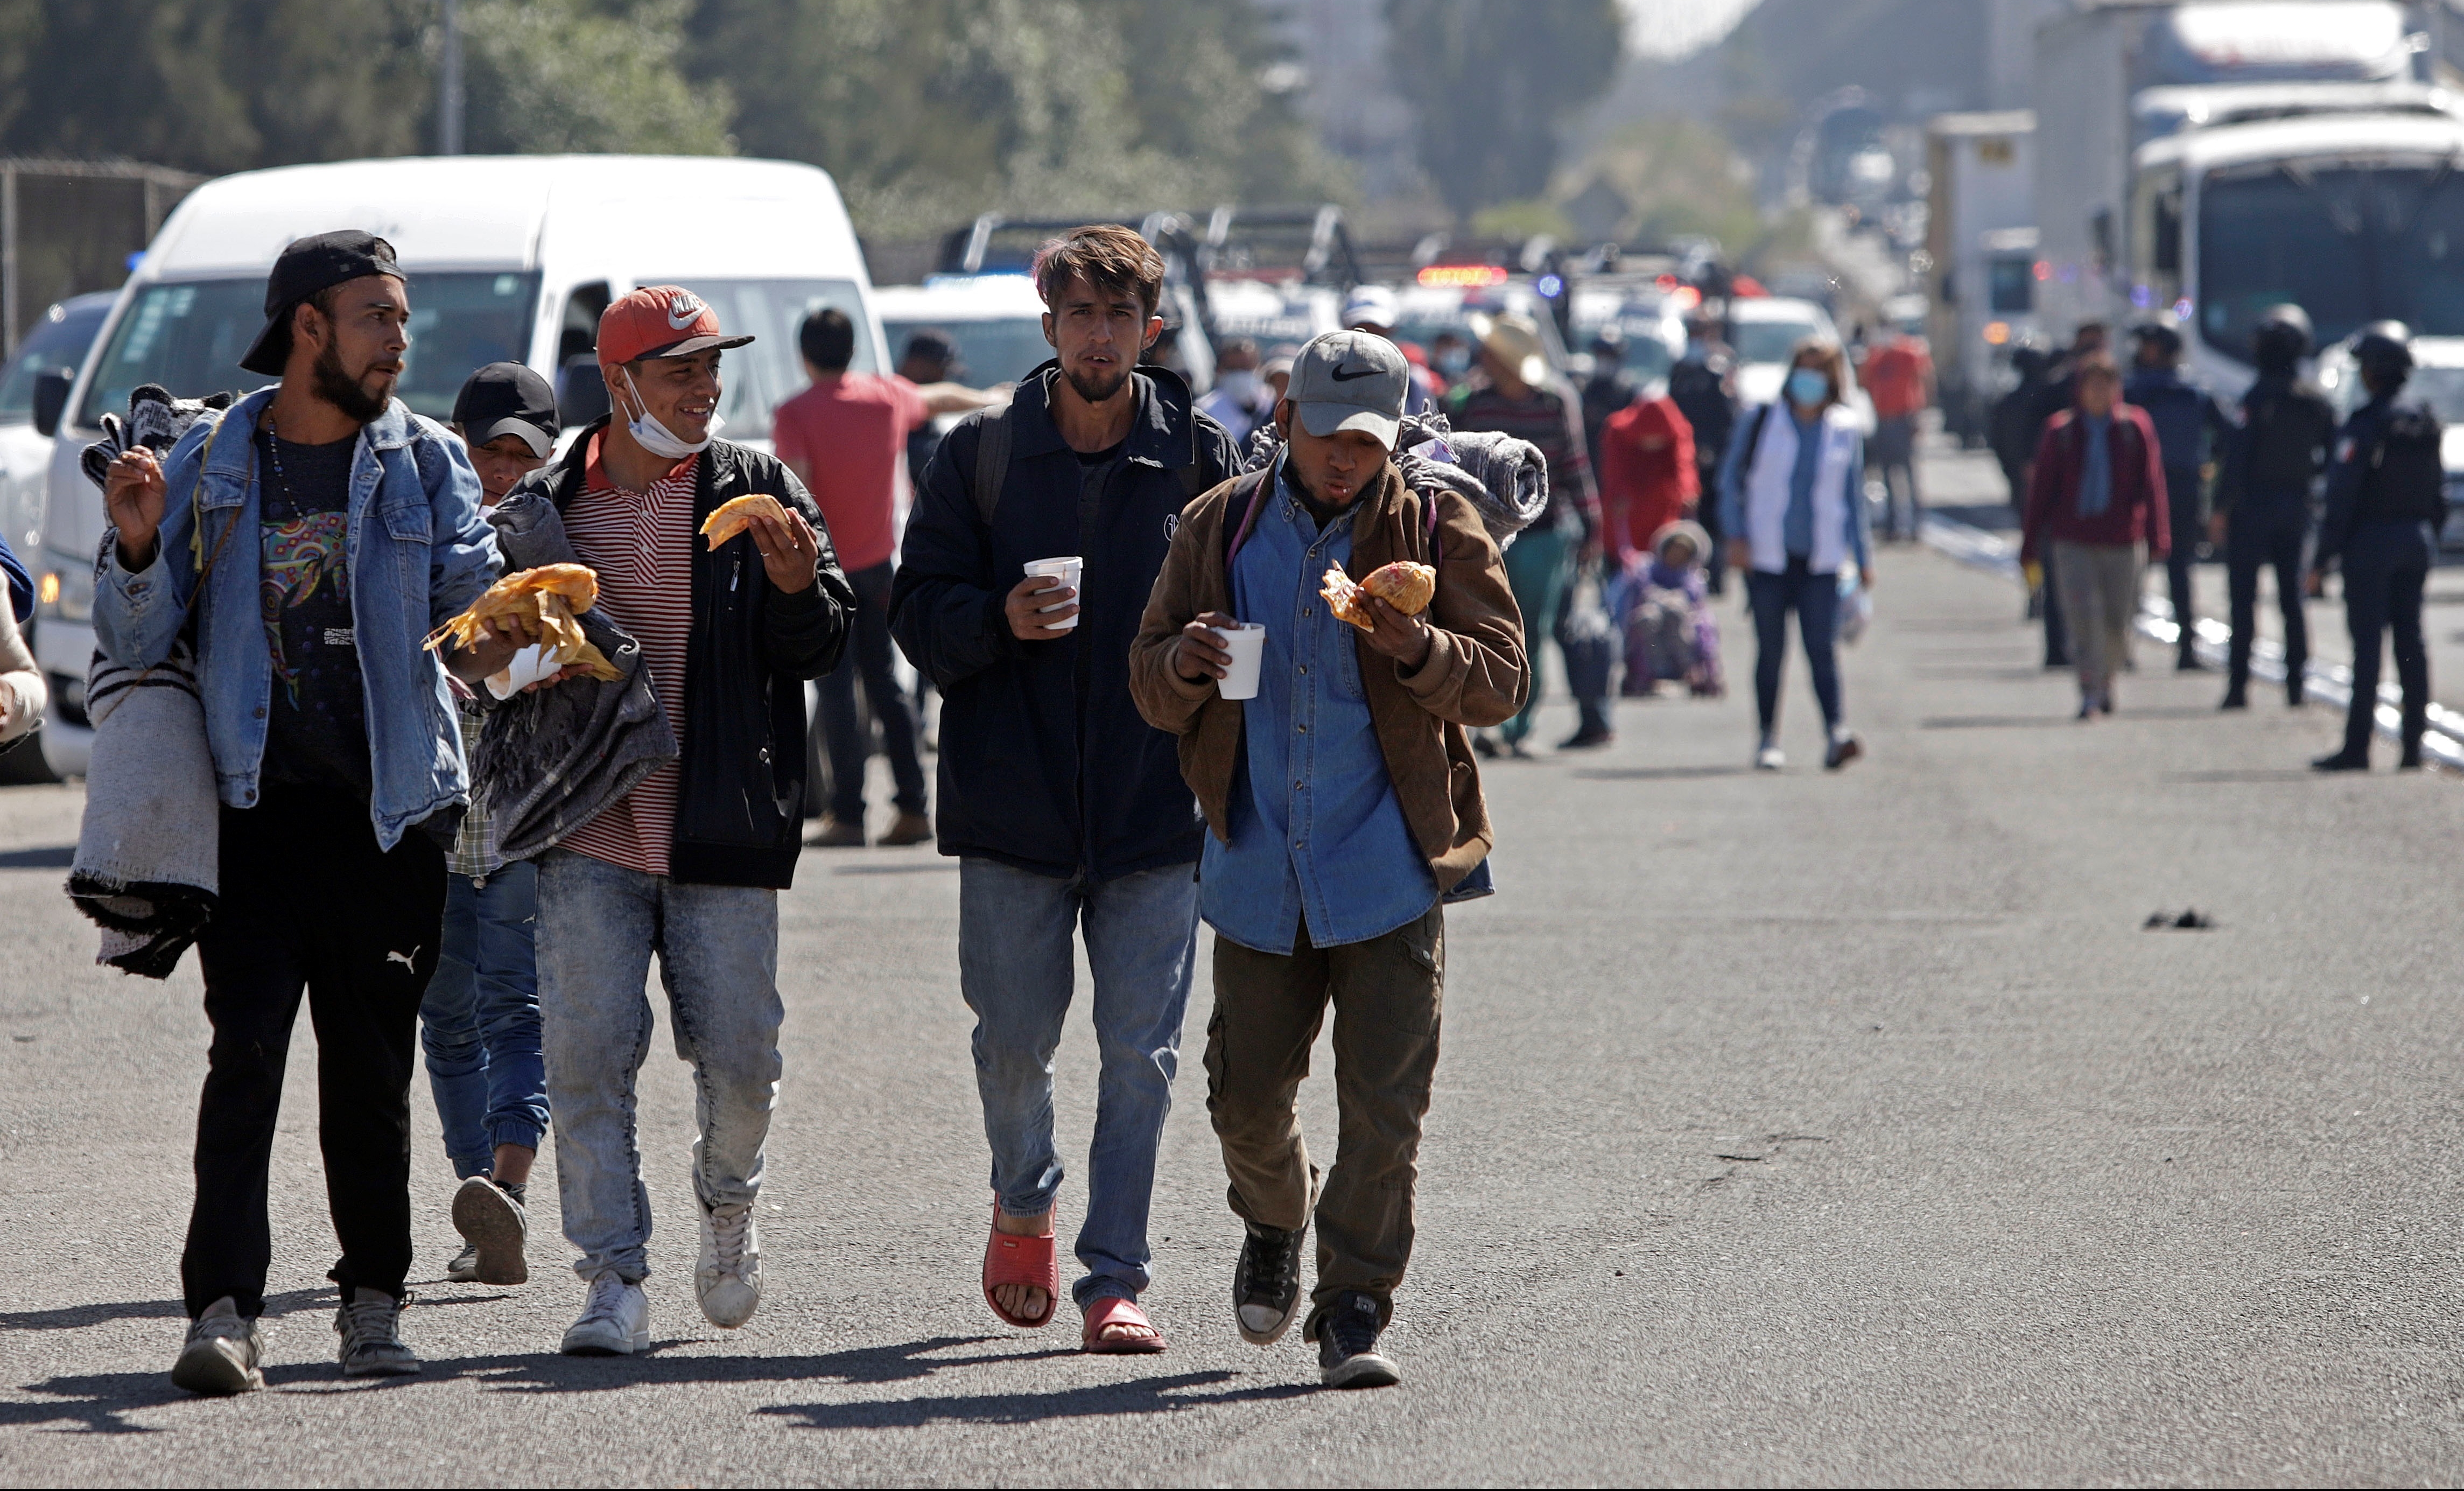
[1703, 386]
[2185, 418]
[2387, 499]
[2262, 517]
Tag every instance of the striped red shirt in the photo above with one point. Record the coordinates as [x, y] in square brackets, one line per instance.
[641, 544]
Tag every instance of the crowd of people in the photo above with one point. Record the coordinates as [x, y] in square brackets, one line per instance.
[1176, 688]
[2113, 474]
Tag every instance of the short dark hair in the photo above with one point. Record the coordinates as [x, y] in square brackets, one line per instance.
[1108, 257]
[827, 339]
[2095, 369]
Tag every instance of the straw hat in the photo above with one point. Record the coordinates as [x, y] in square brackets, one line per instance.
[1515, 342]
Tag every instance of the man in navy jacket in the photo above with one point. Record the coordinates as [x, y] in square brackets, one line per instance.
[1064, 807]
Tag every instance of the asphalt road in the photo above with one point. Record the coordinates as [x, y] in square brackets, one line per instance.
[1789, 1128]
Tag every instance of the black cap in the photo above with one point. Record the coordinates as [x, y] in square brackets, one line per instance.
[507, 398]
[307, 266]
[2156, 334]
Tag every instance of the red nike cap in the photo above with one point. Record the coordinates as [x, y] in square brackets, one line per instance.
[659, 321]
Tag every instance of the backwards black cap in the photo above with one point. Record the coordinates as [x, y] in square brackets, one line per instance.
[307, 266]
[507, 398]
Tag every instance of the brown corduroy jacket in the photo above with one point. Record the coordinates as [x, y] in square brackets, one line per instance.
[1476, 673]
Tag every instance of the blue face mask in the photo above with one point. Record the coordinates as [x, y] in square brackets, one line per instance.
[1807, 388]
[1454, 361]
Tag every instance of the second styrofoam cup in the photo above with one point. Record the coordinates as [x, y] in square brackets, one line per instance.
[1067, 570]
[1246, 642]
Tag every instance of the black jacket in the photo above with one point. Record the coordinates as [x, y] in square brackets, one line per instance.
[739, 808]
[2278, 448]
[1046, 763]
[2361, 495]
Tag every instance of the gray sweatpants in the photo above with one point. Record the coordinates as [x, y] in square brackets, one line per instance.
[2100, 590]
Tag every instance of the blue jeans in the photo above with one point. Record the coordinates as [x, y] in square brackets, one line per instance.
[1018, 972]
[479, 1023]
[1537, 568]
[719, 959]
[868, 656]
[1815, 600]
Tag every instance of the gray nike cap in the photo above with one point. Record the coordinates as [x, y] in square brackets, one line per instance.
[1351, 380]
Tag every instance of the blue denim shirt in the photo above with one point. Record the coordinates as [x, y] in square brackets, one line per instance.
[420, 553]
[2095, 467]
[1315, 821]
[1796, 525]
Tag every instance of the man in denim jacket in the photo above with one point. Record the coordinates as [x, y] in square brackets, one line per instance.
[313, 535]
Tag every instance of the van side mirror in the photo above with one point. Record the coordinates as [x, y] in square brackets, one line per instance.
[51, 400]
[581, 391]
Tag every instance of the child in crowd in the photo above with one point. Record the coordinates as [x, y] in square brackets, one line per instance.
[1661, 607]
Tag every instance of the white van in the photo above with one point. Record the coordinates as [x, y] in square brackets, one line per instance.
[509, 258]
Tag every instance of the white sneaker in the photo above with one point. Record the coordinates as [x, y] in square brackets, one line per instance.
[1769, 758]
[729, 1278]
[615, 1320]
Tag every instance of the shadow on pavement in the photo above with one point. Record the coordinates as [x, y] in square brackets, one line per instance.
[2049, 721]
[77, 1317]
[896, 869]
[57, 857]
[1655, 774]
[1149, 1395]
[2249, 774]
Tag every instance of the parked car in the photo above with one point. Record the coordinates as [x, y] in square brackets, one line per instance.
[1764, 330]
[510, 258]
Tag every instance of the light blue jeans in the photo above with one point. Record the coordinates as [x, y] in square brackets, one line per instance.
[719, 959]
[1018, 970]
[480, 1020]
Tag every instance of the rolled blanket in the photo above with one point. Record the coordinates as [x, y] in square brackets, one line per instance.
[550, 761]
[146, 870]
[1506, 479]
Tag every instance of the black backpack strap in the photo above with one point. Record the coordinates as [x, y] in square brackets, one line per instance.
[992, 428]
[1254, 498]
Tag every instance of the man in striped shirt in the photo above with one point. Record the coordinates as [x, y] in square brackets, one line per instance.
[689, 864]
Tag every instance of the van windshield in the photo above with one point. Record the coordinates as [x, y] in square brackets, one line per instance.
[190, 338]
[760, 377]
[2349, 244]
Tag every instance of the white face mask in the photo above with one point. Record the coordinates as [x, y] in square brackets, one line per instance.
[1241, 386]
[657, 438]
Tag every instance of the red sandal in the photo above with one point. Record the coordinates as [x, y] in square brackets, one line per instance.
[1012, 1259]
[1113, 1310]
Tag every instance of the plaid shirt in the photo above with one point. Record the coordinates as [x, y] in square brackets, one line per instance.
[474, 852]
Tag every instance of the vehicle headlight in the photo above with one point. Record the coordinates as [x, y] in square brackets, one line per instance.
[66, 595]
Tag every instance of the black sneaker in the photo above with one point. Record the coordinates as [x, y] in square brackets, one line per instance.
[2234, 699]
[1347, 1345]
[1266, 1283]
[2342, 760]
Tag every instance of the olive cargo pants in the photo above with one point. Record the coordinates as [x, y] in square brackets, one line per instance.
[1387, 994]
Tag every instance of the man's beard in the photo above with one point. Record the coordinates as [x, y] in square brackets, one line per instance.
[1094, 388]
[345, 393]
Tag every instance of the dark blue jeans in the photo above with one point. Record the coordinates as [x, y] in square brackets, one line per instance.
[479, 1022]
[2386, 565]
[1815, 600]
[867, 653]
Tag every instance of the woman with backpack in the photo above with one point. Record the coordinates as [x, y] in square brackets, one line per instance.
[1792, 502]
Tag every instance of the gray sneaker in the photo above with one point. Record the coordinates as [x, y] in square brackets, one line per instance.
[496, 1227]
[465, 1267]
[370, 1326]
[222, 1354]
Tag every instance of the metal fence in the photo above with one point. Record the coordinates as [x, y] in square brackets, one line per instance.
[68, 226]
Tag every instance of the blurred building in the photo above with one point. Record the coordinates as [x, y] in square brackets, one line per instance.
[1339, 50]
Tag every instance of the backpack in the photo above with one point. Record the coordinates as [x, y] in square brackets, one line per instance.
[992, 461]
[2407, 475]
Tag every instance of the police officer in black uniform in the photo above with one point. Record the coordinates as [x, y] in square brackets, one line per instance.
[2387, 499]
[2187, 418]
[1703, 386]
[2262, 517]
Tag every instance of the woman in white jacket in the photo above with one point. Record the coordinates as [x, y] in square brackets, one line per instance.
[1792, 500]
[23, 696]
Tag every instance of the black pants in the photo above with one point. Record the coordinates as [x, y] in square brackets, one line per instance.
[1707, 512]
[1815, 600]
[2058, 632]
[867, 653]
[2386, 565]
[2267, 531]
[2181, 494]
[308, 901]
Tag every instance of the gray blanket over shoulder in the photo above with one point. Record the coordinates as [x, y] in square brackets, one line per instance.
[146, 870]
[1505, 478]
[551, 760]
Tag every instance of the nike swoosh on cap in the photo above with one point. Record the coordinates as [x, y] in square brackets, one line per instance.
[1353, 374]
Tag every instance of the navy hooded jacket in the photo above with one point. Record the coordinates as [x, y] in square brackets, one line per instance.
[1046, 763]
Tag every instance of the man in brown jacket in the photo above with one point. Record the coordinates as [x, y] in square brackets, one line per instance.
[1343, 807]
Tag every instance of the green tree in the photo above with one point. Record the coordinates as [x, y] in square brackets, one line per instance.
[542, 76]
[1495, 84]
